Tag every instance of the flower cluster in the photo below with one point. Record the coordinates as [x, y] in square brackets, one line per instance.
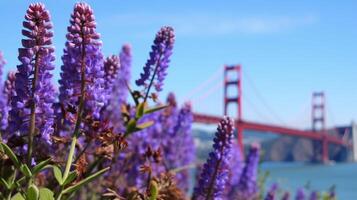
[82, 77]
[236, 166]
[119, 92]
[300, 194]
[271, 195]
[31, 107]
[3, 98]
[9, 86]
[247, 187]
[111, 68]
[171, 135]
[159, 59]
[214, 175]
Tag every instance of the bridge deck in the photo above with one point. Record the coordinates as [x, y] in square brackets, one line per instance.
[245, 125]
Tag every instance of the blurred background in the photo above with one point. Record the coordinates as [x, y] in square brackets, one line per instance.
[286, 51]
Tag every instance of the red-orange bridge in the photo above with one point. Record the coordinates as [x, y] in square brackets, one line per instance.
[318, 132]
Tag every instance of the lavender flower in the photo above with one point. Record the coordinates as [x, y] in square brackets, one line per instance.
[332, 193]
[159, 60]
[118, 96]
[31, 107]
[300, 194]
[8, 93]
[178, 148]
[271, 193]
[214, 175]
[248, 186]
[9, 86]
[314, 195]
[3, 99]
[172, 134]
[236, 168]
[125, 63]
[82, 76]
[286, 196]
[111, 68]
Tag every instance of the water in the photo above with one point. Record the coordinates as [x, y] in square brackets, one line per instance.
[320, 177]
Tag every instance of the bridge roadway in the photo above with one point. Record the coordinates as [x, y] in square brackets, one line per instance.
[245, 125]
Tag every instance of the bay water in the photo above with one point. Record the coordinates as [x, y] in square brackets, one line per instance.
[291, 176]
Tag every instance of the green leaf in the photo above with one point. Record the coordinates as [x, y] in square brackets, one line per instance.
[151, 110]
[71, 176]
[153, 190]
[25, 170]
[18, 196]
[17, 183]
[58, 174]
[11, 155]
[41, 166]
[32, 193]
[131, 126]
[140, 110]
[84, 181]
[46, 194]
[4, 183]
[144, 125]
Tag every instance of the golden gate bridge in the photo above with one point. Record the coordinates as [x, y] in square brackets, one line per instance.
[318, 133]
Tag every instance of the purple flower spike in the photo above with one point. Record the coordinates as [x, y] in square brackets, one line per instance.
[314, 195]
[33, 87]
[159, 59]
[8, 92]
[111, 68]
[214, 175]
[125, 62]
[300, 194]
[119, 94]
[3, 98]
[248, 186]
[9, 87]
[236, 168]
[286, 196]
[82, 76]
[180, 148]
[271, 193]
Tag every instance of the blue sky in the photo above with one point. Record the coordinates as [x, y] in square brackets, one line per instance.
[288, 49]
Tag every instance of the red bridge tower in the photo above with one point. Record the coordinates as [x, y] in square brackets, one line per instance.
[318, 121]
[233, 80]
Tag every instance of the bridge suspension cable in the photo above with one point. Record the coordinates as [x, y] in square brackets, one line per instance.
[331, 118]
[255, 110]
[198, 89]
[203, 96]
[261, 98]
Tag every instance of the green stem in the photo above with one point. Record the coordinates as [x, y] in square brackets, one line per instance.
[152, 78]
[79, 114]
[12, 181]
[33, 112]
[59, 197]
[213, 179]
[70, 158]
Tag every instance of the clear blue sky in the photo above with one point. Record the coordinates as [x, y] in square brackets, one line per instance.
[288, 49]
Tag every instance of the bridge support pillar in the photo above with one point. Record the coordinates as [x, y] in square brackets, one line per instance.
[325, 151]
[318, 124]
[240, 138]
[354, 141]
[234, 82]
